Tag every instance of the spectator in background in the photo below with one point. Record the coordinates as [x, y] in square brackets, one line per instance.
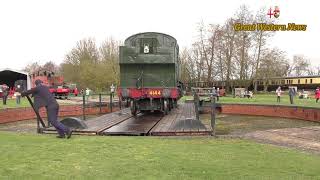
[5, 93]
[278, 92]
[291, 94]
[88, 91]
[218, 94]
[317, 94]
[112, 89]
[250, 94]
[18, 94]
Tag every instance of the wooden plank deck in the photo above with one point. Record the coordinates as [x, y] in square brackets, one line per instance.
[139, 125]
[180, 121]
[101, 123]
[106, 121]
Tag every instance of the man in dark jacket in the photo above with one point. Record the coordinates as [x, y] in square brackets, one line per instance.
[291, 94]
[43, 98]
[5, 93]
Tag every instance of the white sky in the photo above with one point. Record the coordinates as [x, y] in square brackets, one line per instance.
[43, 30]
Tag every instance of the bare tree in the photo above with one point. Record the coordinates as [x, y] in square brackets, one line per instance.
[243, 42]
[228, 46]
[52, 67]
[300, 66]
[273, 64]
[32, 67]
[260, 40]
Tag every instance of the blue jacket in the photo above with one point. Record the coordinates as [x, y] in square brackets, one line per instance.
[42, 97]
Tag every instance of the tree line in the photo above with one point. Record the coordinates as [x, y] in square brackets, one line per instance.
[218, 54]
[222, 54]
[87, 64]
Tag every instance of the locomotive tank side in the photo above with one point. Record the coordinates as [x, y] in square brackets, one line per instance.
[149, 72]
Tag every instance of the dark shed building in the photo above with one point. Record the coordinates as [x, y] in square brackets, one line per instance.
[11, 77]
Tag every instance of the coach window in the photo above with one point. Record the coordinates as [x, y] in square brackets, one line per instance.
[306, 82]
[298, 81]
[310, 81]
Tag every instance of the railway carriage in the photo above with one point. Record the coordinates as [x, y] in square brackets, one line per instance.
[302, 82]
[270, 84]
[149, 72]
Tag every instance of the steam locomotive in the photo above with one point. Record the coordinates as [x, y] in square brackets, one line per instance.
[149, 72]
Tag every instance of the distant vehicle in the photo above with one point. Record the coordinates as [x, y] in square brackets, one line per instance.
[239, 92]
[73, 89]
[56, 84]
[149, 72]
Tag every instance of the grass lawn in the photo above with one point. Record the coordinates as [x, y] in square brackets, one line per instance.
[11, 103]
[269, 99]
[28, 156]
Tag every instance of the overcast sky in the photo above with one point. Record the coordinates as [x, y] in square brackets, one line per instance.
[43, 30]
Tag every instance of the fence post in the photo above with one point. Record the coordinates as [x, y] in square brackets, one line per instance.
[84, 107]
[213, 115]
[120, 103]
[100, 103]
[111, 102]
[196, 104]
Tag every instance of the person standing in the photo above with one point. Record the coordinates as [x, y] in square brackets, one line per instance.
[278, 92]
[87, 93]
[5, 93]
[218, 94]
[112, 89]
[18, 94]
[44, 98]
[317, 94]
[291, 94]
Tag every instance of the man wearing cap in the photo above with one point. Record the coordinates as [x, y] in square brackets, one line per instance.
[43, 98]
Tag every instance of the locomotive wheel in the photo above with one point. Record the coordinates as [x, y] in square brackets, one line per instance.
[175, 104]
[171, 104]
[165, 107]
[133, 108]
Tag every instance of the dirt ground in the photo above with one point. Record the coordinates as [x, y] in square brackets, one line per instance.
[27, 126]
[291, 133]
[304, 138]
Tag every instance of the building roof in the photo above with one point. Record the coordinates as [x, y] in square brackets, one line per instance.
[13, 70]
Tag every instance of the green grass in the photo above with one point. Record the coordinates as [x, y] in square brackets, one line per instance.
[268, 99]
[11, 103]
[27, 156]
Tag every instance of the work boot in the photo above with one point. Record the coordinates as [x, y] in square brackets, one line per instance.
[61, 136]
[69, 133]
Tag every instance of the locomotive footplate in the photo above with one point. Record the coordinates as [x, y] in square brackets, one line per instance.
[135, 126]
